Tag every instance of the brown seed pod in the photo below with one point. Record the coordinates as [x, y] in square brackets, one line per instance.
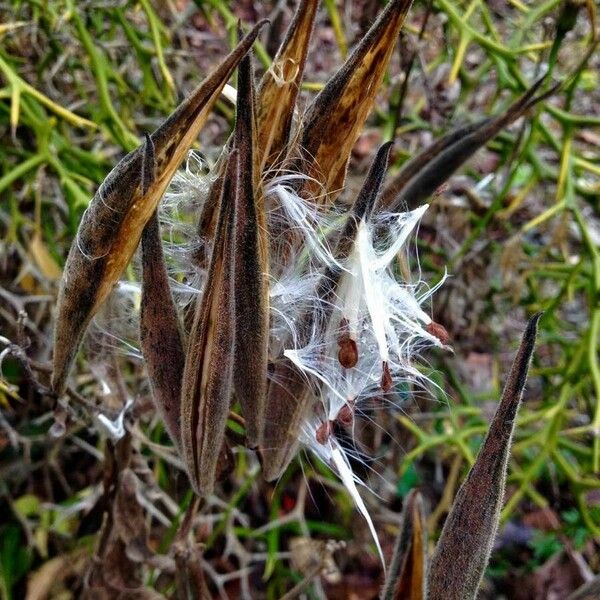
[420, 177]
[207, 383]
[463, 550]
[112, 225]
[251, 288]
[345, 103]
[280, 85]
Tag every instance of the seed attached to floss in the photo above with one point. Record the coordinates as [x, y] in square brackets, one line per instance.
[348, 352]
[438, 331]
[324, 432]
[386, 377]
[346, 415]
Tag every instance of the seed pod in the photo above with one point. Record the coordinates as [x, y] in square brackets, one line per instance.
[275, 108]
[406, 576]
[160, 336]
[112, 225]
[208, 373]
[464, 547]
[345, 103]
[289, 392]
[280, 85]
[423, 175]
[251, 266]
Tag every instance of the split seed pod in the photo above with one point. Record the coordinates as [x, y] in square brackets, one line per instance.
[336, 116]
[112, 225]
[280, 85]
[406, 576]
[289, 391]
[207, 384]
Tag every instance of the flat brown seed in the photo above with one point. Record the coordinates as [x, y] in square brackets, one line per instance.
[346, 416]
[348, 353]
[386, 377]
[438, 331]
[323, 432]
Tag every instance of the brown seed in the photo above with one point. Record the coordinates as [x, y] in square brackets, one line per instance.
[348, 353]
[346, 415]
[323, 432]
[386, 377]
[438, 331]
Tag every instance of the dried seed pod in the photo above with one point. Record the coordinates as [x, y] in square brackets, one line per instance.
[207, 384]
[289, 391]
[112, 225]
[345, 103]
[280, 85]
[406, 576]
[424, 174]
[464, 547]
[160, 335]
[251, 287]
